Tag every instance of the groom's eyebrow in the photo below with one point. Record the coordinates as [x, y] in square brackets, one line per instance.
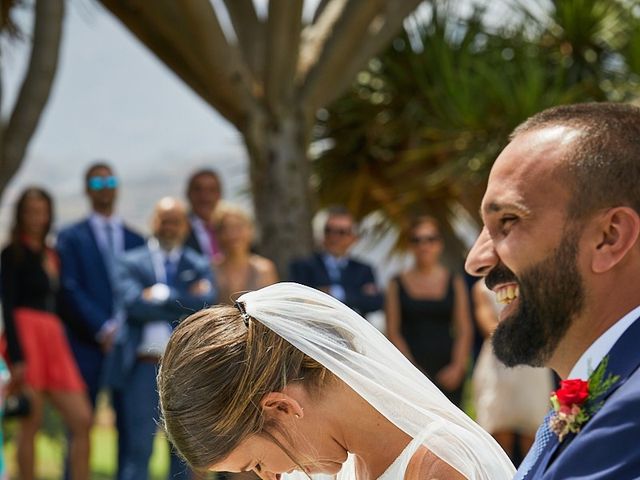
[497, 207]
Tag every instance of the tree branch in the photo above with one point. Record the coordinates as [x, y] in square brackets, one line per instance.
[220, 59]
[35, 89]
[357, 35]
[162, 27]
[284, 25]
[250, 33]
[322, 4]
[374, 41]
[329, 42]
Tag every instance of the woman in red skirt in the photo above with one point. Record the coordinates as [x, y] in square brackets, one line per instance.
[41, 361]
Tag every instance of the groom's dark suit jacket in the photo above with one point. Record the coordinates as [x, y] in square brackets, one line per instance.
[608, 446]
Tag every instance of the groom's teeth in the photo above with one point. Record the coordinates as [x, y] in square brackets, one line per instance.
[507, 294]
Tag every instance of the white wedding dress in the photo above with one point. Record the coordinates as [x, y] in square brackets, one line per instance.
[358, 354]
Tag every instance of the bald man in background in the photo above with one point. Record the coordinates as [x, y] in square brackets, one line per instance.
[161, 283]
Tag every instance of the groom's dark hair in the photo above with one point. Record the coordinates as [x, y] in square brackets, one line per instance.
[603, 164]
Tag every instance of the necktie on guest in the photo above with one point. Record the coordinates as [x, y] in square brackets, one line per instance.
[170, 272]
[213, 241]
[111, 249]
[543, 435]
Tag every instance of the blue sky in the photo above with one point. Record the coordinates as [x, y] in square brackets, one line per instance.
[114, 100]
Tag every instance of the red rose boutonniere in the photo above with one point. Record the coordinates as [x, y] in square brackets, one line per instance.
[575, 402]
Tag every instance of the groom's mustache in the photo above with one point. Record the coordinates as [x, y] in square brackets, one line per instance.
[499, 274]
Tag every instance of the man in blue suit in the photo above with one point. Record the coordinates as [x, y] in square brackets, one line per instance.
[333, 271]
[204, 190]
[87, 252]
[160, 283]
[560, 247]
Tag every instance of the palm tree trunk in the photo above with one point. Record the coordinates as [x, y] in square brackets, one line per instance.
[280, 174]
[36, 86]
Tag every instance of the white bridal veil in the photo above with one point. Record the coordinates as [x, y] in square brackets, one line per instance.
[357, 353]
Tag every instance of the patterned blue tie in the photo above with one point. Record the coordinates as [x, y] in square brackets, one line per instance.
[543, 435]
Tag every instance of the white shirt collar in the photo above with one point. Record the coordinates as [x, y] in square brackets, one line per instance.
[172, 255]
[600, 348]
[114, 219]
[337, 261]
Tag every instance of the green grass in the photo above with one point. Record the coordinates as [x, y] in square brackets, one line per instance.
[50, 456]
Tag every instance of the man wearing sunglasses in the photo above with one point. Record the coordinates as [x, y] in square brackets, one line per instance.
[88, 250]
[333, 271]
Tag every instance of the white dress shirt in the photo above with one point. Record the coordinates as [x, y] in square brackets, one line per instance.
[155, 334]
[590, 359]
[99, 226]
[109, 248]
[334, 266]
[202, 235]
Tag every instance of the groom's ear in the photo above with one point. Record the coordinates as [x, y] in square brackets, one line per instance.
[280, 405]
[616, 232]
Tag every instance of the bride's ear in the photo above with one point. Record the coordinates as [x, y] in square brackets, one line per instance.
[280, 405]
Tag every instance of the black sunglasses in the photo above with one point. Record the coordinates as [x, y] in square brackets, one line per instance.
[420, 239]
[343, 232]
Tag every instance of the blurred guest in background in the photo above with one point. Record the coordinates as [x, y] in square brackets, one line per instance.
[42, 364]
[333, 271]
[510, 403]
[427, 312]
[5, 376]
[88, 250]
[204, 191]
[160, 283]
[238, 269]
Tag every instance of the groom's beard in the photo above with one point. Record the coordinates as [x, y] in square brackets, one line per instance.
[551, 294]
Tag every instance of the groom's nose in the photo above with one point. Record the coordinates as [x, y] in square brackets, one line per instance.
[482, 256]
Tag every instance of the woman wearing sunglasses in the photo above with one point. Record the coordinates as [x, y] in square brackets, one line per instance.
[427, 312]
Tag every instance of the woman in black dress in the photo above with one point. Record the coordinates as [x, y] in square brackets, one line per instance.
[40, 359]
[427, 312]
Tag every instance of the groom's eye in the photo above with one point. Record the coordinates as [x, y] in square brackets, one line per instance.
[506, 221]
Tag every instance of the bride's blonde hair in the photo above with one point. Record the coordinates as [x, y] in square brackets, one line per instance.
[213, 375]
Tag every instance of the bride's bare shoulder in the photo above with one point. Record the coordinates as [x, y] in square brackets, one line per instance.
[425, 465]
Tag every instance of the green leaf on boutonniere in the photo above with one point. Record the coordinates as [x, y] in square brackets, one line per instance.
[599, 385]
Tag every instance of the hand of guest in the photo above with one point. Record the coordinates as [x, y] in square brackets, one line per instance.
[107, 343]
[18, 374]
[451, 376]
[370, 289]
[201, 287]
[147, 294]
[107, 336]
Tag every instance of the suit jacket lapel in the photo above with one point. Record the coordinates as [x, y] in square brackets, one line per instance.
[623, 360]
[322, 269]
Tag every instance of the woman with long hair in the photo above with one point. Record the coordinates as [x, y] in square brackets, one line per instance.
[41, 362]
[238, 269]
[427, 312]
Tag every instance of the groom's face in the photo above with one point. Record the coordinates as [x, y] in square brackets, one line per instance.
[551, 294]
[528, 250]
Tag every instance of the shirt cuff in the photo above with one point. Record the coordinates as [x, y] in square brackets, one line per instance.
[107, 329]
[160, 293]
